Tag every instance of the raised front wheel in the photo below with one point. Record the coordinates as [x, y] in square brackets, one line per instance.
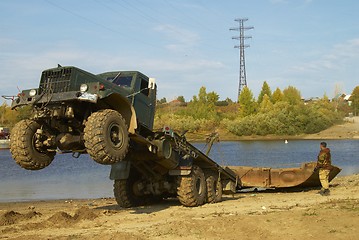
[27, 148]
[106, 137]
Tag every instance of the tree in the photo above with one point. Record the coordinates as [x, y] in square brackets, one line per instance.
[212, 97]
[325, 98]
[265, 91]
[203, 105]
[162, 100]
[23, 112]
[277, 96]
[338, 90]
[292, 95]
[355, 100]
[228, 100]
[181, 99]
[202, 95]
[266, 105]
[246, 102]
[8, 117]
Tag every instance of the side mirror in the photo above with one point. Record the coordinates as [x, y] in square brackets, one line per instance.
[151, 83]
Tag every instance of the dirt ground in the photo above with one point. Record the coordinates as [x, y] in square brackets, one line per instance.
[300, 214]
[348, 130]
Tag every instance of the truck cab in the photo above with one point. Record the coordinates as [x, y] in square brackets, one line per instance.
[140, 93]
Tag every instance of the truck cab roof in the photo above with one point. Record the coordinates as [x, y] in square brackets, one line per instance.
[122, 78]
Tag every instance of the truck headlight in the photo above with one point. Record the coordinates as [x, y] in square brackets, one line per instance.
[83, 88]
[32, 92]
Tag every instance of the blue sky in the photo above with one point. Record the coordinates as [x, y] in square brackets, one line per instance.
[310, 44]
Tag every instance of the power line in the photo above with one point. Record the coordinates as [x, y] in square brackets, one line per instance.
[100, 25]
[242, 65]
[193, 21]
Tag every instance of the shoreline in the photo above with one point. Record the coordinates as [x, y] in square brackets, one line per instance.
[340, 178]
[231, 137]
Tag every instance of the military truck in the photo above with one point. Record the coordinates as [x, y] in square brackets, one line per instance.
[110, 116]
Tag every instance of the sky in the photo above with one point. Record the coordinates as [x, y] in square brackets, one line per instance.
[312, 45]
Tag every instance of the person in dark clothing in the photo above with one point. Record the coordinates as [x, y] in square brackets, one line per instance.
[324, 164]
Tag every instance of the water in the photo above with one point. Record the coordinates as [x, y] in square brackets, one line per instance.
[277, 154]
[82, 178]
[64, 178]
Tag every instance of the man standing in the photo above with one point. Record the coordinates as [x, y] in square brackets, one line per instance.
[324, 164]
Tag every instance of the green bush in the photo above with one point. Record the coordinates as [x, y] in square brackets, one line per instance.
[287, 115]
[181, 123]
[285, 119]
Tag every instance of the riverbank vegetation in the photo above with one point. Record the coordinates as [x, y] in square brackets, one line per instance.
[281, 112]
[9, 117]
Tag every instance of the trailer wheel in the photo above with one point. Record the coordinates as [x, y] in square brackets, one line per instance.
[192, 189]
[23, 146]
[106, 137]
[214, 189]
[126, 191]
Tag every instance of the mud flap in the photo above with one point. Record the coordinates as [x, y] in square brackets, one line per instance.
[120, 170]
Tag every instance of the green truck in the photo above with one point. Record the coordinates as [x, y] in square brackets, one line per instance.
[110, 116]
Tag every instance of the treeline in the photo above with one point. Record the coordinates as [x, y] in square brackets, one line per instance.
[9, 117]
[279, 112]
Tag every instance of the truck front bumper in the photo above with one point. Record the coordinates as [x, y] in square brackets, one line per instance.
[25, 99]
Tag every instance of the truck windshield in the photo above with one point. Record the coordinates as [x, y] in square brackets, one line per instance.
[122, 81]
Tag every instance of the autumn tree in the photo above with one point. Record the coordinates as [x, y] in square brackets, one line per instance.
[265, 91]
[203, 105]
[292, 95]
[277, 96]
[266, 105]
[9, 117]
[355, 100]
[246, 102]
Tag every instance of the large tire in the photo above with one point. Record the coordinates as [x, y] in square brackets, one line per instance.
[214, 189]
[125, 192]
[22, 147]
[192, 189]
[106, 137]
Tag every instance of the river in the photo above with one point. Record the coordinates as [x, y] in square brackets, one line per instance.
[82, 178]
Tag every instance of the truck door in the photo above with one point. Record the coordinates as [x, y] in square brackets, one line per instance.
[143, 104]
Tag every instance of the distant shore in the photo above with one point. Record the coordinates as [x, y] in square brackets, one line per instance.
[348, 130]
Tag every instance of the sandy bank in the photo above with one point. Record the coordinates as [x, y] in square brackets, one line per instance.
[269, 215]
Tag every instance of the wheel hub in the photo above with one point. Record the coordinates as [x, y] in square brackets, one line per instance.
[116, 135]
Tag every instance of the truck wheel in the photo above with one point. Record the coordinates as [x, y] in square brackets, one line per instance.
[106, 137]
[192, 189]
[125, 192]
[23, 148]
[214, 189]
